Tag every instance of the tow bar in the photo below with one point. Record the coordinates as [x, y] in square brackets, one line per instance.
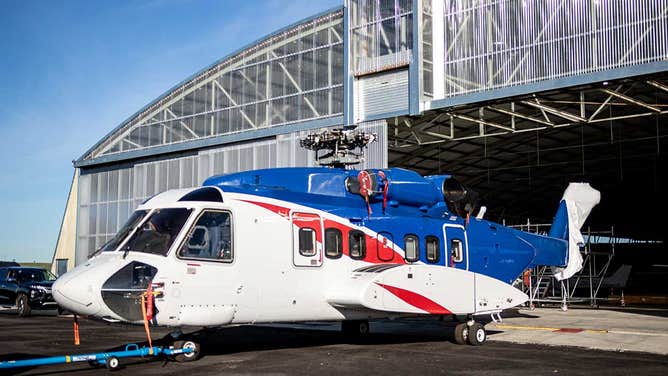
[108, 359]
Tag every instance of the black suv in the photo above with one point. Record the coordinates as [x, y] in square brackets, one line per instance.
[26, 289]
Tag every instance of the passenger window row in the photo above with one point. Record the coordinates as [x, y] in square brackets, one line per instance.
[357, 246]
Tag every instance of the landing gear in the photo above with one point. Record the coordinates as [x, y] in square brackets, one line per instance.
[470, 332]
[461, 334]
[189, 344]
[355, 328]
[477, 335]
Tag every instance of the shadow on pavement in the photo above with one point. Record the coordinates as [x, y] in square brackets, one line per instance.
[252, 338]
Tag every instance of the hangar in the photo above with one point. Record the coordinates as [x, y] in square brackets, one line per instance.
[514, 97]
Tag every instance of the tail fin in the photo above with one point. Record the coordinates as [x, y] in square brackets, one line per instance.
[578, 201]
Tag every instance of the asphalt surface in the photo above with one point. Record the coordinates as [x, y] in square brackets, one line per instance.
[405, 347]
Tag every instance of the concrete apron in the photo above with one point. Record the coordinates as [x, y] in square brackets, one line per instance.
[644, 329]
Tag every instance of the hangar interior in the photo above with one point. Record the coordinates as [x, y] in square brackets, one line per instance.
[516, 98]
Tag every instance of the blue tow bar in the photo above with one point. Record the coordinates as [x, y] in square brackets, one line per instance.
[110, 359]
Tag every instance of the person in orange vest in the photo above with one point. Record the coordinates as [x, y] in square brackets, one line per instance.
[526, 277]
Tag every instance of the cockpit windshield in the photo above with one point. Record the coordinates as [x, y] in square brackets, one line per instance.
[129, 225]
[158, 232]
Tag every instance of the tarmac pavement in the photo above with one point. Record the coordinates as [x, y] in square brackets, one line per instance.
[409, 346]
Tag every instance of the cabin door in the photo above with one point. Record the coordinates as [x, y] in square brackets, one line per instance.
[456, 246]
[306, 239]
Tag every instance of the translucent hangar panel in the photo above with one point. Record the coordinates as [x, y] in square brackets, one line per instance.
[107, 198]
[382, 34]
[291, 76]
[498, 43]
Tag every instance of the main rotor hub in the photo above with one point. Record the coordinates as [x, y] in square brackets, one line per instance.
[344, 147]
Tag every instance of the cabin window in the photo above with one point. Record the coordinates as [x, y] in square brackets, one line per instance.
[456, 250]
[210, 238]
[307, 241]
[333, 243]
[357, 244]
[432, 249]
[412, 247]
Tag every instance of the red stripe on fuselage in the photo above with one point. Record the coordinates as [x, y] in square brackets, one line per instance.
[372, 243]
[280, 210]
[416, 300]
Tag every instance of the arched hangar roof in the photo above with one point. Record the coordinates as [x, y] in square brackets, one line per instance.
[291, 76]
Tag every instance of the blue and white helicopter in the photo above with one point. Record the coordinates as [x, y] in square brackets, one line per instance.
[318, 244]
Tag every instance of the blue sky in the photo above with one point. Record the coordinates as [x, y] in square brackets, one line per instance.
[70, 71]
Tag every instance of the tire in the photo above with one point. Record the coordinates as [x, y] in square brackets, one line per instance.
[355, 328]
[22, 305]
[187, 344]
[112, 363]
[477, 335]
[461, 334]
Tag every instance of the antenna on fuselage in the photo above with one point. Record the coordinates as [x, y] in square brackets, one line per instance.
[343, 146]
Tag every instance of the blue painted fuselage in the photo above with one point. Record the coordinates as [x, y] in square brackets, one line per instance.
[412, 206]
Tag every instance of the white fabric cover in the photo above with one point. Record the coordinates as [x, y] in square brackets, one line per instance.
[580, 199]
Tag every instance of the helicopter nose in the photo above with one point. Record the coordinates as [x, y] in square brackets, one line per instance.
[75, 296]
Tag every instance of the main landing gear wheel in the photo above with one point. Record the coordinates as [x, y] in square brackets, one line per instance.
[476, 334]
[355, 328]
[187, 344]
[461, 333]
[112, 363]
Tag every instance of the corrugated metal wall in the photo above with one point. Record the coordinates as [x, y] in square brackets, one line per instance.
[381, 93]
[107, 198]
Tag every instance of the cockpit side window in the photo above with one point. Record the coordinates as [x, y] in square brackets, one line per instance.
[129, 225]
[157, 234]
[210, 238]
